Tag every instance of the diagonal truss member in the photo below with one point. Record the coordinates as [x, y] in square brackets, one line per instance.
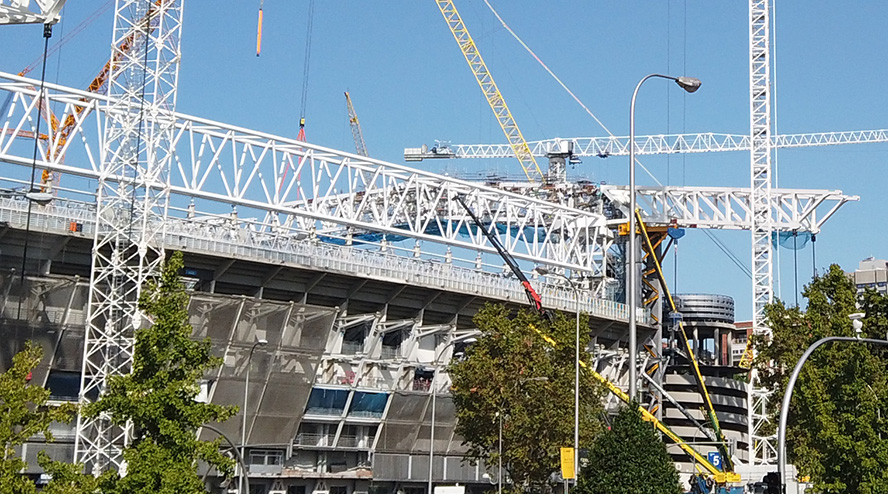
[131, 198]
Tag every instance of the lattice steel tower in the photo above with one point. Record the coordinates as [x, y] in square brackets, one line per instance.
[761, 446]
[131, 200]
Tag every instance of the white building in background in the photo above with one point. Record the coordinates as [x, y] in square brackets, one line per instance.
[871, 273]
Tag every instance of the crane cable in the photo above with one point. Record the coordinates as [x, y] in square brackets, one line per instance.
[68, 37]
[47, 33]
[305, 67]
[718, 243]
[562, 84]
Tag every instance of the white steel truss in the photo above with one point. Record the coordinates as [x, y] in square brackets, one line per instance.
[279, 186]
[20, 11]
[730, 208]
[131, 200]
[761, 443]
[603, 147]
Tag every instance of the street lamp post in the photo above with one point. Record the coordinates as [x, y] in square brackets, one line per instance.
[499, 471]
[787, 396]
[690, 85]
[466, 338]
[576, 444]
[243, 478]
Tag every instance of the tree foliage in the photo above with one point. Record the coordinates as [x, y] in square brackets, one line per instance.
[837, 429]
[511, 370]
[24, 413]
[69, 478]
[630, 458]
[159, 397]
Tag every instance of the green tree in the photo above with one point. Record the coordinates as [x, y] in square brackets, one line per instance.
[511, 370]
[24, 413]
[69, 478]
[630, 458]
[836, 424]
[159, 397]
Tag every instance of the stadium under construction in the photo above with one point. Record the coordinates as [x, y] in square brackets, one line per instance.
[336, 287]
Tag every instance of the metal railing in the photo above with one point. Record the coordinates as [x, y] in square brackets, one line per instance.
[197, 236]
[352, 347]
[313, 439]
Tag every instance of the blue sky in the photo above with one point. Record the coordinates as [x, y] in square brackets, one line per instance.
[410, 85]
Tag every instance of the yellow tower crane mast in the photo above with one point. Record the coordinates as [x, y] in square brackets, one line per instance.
[491, 92]
[357, 134]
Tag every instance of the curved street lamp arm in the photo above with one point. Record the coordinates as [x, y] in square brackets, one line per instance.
[787, 396]
[240, 459]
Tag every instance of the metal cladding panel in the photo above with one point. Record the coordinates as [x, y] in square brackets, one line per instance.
[391, 466]
[227, 391]
[213, 316]
[315, 325]
[445, 412]
[282, 404]
[263, 319]
[458, 469]
[443, 435]
[63, 452]
[408, 407]
[396, 437]
[15, 334]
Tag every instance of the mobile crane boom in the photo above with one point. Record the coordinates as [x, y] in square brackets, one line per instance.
[532, 296]
[720, 477]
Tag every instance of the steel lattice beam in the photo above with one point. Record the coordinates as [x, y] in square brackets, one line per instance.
[225, 175]
[132, 196]
[707, 142]
[730, 208]
[20, 11]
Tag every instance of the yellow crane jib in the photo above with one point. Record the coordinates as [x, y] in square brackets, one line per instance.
[491, 92]
[357, 133]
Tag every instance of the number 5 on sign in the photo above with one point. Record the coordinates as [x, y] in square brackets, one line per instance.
[567, 463]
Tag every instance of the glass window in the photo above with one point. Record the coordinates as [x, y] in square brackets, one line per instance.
[63, 386]
[266, 457]
[368, 404]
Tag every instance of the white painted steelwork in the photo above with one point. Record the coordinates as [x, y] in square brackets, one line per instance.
[283, 186]
[761, 443]
[729, 208]
[21, 11]
[602, 147]
[230, 240]
[134, 157]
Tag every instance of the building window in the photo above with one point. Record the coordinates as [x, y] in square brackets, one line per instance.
[296, 489]
[338, 489]
[266, 457]
[63, 386]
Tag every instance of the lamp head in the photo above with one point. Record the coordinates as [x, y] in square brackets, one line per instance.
[541, 271]
[42, 198]
[261, 341]
[689, 84]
